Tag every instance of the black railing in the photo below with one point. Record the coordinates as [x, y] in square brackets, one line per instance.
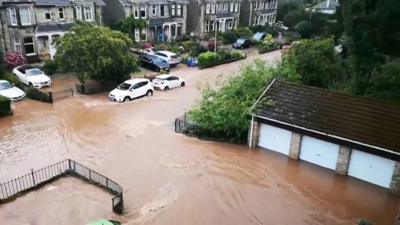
[35, 179]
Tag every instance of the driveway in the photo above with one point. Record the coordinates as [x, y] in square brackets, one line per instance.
[169, 178]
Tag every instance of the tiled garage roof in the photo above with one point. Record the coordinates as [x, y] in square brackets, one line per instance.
[359, 119]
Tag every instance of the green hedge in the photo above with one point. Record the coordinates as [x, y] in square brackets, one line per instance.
[209, 59]
[5, 106]
[36, 94]
[50, 67]
[264, 48]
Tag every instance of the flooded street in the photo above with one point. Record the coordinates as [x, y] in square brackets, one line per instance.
[169, 178]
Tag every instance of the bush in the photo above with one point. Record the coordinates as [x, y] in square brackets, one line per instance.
[228, 37]
[5, 106]
[14, 59]
[267, 29]
[36, 94]
[304, 28]
[243, 32]
[209, 59]
[267, 45]
[50, 67]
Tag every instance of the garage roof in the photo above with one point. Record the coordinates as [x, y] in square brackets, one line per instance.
[357, 119]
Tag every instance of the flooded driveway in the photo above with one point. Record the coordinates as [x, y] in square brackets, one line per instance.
[169, 178]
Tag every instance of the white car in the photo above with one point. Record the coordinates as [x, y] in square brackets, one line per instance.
[131, 89]
[10, 91]
[280, 25]
[169, 57]
[32, 76]
[167, 81]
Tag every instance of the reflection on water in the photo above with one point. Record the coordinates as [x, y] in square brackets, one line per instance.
[169, 178]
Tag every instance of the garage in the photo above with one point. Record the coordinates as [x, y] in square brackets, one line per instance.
[371, 168]
[319, 152]
[275, 139]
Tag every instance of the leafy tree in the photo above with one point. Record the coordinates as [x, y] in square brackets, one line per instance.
[304, 28]
[130, 24]
[316, 62]
[96, 53]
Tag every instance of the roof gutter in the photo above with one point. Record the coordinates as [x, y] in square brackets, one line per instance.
[326, 134]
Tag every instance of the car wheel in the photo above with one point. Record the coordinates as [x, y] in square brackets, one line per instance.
[183, 84]
[149, 93]
[166, 88]
[126, 98]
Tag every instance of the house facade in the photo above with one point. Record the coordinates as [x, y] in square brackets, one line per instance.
[258, 12]
[166, 20]
[206, 16]
[351, 135]
[31, 26]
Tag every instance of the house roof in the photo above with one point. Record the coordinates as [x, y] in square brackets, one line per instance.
[53, 2]
[54, 27]
[360, 120]
[332, 4]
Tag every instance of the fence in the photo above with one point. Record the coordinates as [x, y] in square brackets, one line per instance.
[180, 124]
[62, 94]
[35, 179]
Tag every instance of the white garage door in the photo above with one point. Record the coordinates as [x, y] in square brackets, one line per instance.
[319, 152]
[274, 138]
[371, 168]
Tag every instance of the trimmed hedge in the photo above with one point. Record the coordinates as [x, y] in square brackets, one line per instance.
[265, 49]
[210, 59]
[36, 94]
[50, 67]
[5, 106]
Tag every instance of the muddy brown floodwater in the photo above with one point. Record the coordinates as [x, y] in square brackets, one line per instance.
[169, 178]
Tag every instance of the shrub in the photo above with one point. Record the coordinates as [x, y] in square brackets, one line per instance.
[5, 106]
[304, 28]
[267, 45]
[228, 37]
[209, 59]
[14, 59]
[36, 94]
[50, 67]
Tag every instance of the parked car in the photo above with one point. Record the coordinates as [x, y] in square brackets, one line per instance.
[32, 76]
[241, 43]
[279, 25]
[10, 91]
[167, 81]
[259, 36]
[153, 62]
[104, 222]
[169, 57]
[131, 89]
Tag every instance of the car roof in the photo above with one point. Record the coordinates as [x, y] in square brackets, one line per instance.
[23, 68]
[136, 80]
[168, 53]
[163, 76]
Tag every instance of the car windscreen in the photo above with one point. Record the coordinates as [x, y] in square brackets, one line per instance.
[124, 86]
[240, 41]
[158, 60]
[33, 72]
[258, 36]
[5, 85]
[173, 56]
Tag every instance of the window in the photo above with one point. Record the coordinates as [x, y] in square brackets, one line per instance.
[231, 7]
[225, 6]
[137, 34]
[254, 20]
[78, 12]
[17, 44]
[212, 25]
[207, 27]
[61, 13]
[142, 11]
[25, 16]
[235, 23]
[219, 7]
[47, 16]
[271, 4]
[208, 8]
[255, 5]
[173, 10]
[88, 13]
[162, 11]
[213, 8]
[179, 10]
[135, 12]
[179, 32]
[29, 46]
[237, 7]
[154, 10]
[266, 5]
[261, 6]
[12, 13]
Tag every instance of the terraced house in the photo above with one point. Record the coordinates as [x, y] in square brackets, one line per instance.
[32, 26]
[166, 19]
[206, 16]
[255, 12]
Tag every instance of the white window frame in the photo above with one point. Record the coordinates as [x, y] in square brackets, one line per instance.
[179, 10]
[135, 11]
[255, 5]
[12, 15]
[33, 44]
[91, 19]
[137, 34]
[212, 8]
[266, 5]
[17, 44]
[49, 13]
[212, 25]
[29, 16]
[225, 7]
[208, 8]
[232, 7]
[236, 7]
[173, 10]
[78, 12]
[271, 5]
[207, 26]
[144, 10]
[62, 12]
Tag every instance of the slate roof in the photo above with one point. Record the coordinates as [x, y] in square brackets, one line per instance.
[324, 5]
[54, 27]
[359, 119]
[53, 3]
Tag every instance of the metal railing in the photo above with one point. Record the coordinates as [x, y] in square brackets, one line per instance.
[68, 92]
[35, 179]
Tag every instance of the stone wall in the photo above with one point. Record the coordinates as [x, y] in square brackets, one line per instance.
[295, 145]
[254, 134]
[395, 185]
[342, 163]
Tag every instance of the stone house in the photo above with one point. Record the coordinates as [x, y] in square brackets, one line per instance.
[258, 12]
[166, 19]
[351, 135]
[208, 16]
[89, 11]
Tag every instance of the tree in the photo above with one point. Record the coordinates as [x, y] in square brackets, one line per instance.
[316, 62]
[304, 28]
[130, 24]
[96, 53]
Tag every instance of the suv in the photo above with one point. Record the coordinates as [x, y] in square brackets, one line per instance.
[170, 57]
[131, 89]
[154, 63]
